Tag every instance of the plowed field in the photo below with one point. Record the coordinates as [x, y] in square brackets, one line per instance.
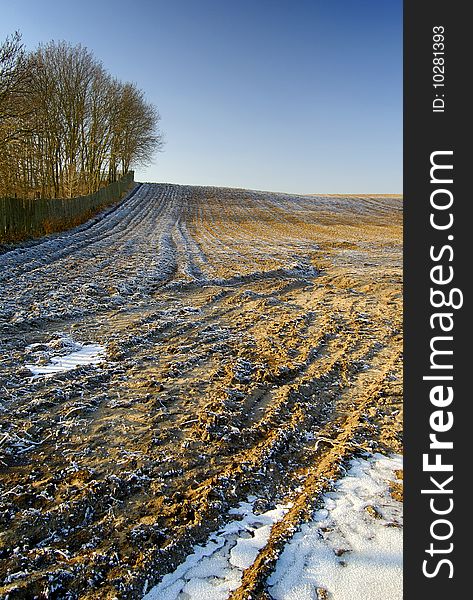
[251, 344]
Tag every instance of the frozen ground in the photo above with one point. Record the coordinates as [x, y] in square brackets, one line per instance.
[79, 355]
[353, 546]
[213, 571]
[191, 348]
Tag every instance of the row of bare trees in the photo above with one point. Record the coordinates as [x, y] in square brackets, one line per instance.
[67, 127]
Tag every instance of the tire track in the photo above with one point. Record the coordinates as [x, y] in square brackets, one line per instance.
[241, 330]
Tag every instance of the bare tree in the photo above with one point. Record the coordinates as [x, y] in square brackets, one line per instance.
[15, 106]
[135, 130]
[70, 126]
[15, 76]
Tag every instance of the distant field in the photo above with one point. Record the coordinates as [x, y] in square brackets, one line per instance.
[233, 343]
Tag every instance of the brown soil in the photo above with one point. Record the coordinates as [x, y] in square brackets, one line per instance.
[265, 352]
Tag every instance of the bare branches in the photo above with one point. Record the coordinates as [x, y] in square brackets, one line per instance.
[135, 135]
[66, 126]
[14, 76]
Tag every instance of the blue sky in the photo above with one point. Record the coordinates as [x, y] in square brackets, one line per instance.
[296, 96]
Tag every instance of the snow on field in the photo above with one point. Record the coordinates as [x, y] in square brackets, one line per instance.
[79, 355]
[213, 571]
[237, 325]
[353, 546]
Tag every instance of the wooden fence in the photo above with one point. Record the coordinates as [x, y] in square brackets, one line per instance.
[22, 219]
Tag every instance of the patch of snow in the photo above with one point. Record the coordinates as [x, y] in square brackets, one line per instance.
[213, 571]
[353, 546]
[82, 355]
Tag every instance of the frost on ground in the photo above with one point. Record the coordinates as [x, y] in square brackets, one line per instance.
[353, 546]
[251, 339]
[79, 355]
[213, 571]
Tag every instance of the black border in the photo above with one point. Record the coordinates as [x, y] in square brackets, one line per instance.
[424, 133]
